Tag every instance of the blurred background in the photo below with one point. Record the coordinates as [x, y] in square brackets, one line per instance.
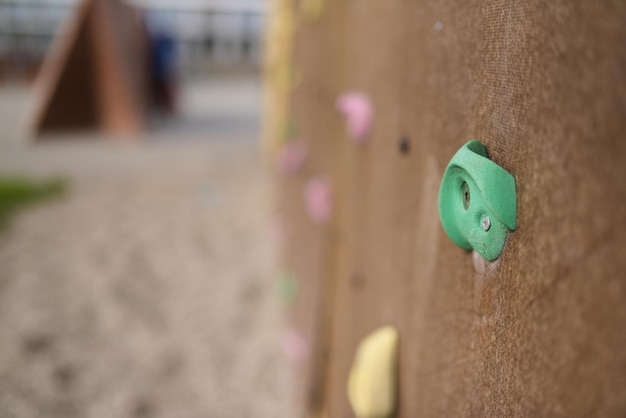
[130, 188]
[210, 35]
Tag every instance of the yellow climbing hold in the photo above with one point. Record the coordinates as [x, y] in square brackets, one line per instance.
[311, 9]
[372, 383]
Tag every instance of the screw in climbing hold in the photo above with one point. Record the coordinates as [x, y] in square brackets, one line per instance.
[485, 223]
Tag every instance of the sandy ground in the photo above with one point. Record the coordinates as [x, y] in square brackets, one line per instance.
[145, 291]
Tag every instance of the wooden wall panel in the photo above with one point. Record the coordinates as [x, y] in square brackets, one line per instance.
[311, 249]
[375, 246]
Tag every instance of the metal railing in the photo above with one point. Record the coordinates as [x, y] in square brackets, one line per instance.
[210, 34]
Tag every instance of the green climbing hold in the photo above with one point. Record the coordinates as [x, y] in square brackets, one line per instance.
[477, 201]
[286, 288]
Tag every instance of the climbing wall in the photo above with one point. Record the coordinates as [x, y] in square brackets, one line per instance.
[537, 332]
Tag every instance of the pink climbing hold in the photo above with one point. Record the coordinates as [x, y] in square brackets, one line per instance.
[318, 196]
[280, 230]
[358, 111]
[291, 157]
[294, 346]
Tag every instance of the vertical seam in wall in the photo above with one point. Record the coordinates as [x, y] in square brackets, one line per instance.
[332, 254]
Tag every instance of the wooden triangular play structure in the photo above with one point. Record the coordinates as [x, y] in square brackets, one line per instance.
[96, 74]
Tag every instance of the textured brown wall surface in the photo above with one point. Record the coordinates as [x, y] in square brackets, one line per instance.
[312, 250]
[542, 330]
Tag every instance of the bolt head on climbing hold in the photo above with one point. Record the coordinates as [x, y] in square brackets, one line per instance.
[485, 223]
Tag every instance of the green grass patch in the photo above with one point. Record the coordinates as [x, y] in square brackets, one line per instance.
[17, 193]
